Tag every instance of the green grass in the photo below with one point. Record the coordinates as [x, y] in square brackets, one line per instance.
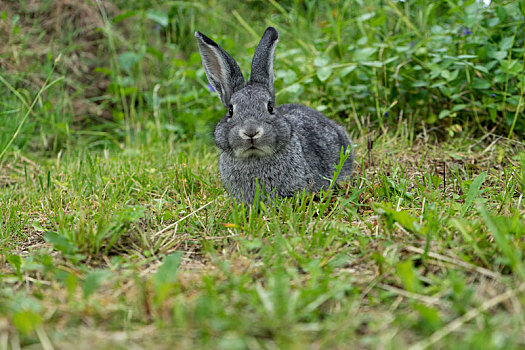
[144, 247]
[116, 232]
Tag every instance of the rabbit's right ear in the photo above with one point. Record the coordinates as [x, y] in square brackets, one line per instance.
[222, 71]
[262, 63]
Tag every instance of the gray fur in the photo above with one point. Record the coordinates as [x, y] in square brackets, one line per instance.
[291, 150]
[262, 63]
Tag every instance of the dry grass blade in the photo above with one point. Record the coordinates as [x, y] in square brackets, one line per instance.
[458, 322]
[406, 294]
[457, 262]
[44, 339]
[183, 218]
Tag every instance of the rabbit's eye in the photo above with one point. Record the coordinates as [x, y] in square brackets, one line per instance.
[230, 111]
[270, 107]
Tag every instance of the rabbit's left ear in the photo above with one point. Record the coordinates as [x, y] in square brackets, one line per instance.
[262, 64]
[221, 69]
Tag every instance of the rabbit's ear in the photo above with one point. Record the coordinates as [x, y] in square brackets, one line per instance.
[262, 64]
[222, 71]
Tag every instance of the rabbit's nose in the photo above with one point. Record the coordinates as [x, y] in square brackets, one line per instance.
[251, 133]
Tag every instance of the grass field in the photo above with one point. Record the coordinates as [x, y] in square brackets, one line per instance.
[116, 232]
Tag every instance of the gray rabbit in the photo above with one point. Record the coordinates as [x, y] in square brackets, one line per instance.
[282, 149]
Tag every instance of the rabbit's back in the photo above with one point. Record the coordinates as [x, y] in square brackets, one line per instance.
[321, 141]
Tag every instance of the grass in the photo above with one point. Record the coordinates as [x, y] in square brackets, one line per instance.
[143, 247]
[116, 232]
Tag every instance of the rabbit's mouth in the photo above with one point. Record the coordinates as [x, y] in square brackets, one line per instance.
[253, 151]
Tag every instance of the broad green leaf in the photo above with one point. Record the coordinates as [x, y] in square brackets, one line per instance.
[158, 54]
[129, 59]
[444, 113]
[378, 20]
[480, 84]
[481, 68]
[129, 214]
[345, 71]
[94, 280]
[446, 74]
[511, 67]
[166, 275]
[71, 283]
[419, 83]
[26, 320]
[402, 48]
[430, 315]
[364, 53]
[408, 276]
[321, 61]
[158, 17]
[462, 57]
[500, 78]
[403, 218]
[123, 16]
[60, 243]
[296, 89]
[502, 241]
[167, 272]
[473, 192]
[390, 60]
[506, 43]
[37, 226]
[458, 107]
[497, 55]
[501, 12]
[324, 73]
[375, 64]
[438, 84]
[16, 263]
[492, 22]
[288, 76]
[366, 16]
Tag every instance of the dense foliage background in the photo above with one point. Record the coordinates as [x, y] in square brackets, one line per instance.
[128, 70]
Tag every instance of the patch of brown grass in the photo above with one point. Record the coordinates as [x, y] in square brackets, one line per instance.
[48, 28]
